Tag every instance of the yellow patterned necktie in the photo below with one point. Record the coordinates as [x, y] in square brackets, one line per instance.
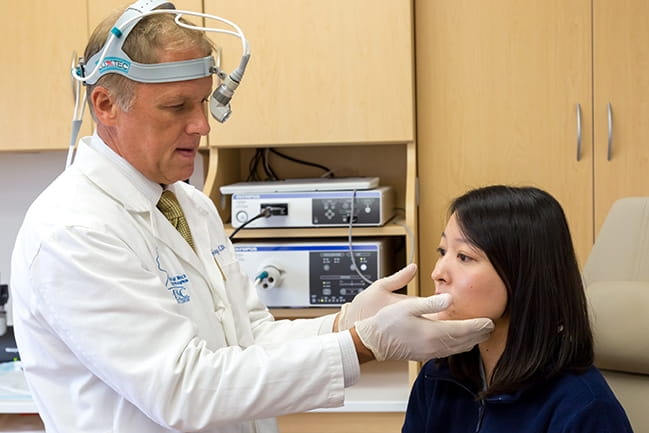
[171, 209]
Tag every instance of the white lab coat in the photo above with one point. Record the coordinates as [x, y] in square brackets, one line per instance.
[123, 328]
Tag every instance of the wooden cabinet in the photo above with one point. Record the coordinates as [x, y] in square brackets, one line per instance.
[504, 88]
[35, 80]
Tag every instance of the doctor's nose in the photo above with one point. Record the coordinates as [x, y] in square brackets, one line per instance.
[199, 122]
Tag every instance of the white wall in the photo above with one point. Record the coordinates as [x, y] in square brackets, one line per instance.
[22, 177]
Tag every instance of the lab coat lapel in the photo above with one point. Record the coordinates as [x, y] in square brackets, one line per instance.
[167, 234]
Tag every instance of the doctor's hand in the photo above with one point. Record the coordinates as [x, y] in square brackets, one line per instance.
[399, 331]
[379, 294]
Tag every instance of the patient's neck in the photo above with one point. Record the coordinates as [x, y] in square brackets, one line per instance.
[492, 349]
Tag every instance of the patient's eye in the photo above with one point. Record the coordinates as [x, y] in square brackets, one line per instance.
[463, 257]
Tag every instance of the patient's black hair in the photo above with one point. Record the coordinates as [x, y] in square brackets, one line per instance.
[524, 233]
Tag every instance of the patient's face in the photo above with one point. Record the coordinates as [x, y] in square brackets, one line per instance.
[466, 273]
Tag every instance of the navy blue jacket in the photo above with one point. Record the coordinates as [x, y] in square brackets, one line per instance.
[570, 403]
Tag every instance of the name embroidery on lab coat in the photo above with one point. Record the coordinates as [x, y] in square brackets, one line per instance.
[218, 249]
[175, 284]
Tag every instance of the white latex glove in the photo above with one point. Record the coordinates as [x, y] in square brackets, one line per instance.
[399, 332]
[379, 294]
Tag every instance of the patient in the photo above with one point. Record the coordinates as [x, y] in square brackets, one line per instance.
[506, 253]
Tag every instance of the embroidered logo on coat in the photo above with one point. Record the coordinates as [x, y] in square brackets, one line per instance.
[176, 284]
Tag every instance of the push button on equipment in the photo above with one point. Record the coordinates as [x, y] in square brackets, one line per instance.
[242, 216]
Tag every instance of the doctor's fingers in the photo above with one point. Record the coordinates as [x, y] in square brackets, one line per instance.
[421, 306]
[398, 279]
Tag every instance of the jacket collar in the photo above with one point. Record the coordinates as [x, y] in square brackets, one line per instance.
[442, 372]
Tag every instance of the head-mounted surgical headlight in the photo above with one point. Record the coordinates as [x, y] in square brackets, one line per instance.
[111, 59]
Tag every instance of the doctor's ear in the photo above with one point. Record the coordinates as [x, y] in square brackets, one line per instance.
[104, 105]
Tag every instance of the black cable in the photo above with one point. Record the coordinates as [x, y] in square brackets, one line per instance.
[265, 212]
[267, 168]
[254, 164]
[303, 162]
[261, 157]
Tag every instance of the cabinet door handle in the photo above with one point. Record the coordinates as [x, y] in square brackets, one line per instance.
[609, 112]
[578, 132]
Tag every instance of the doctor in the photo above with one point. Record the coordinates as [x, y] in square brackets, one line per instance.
[123, 325]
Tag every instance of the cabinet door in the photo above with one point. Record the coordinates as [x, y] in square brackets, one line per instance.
[621, 62]
[335, 71]
[35, 79]
[497, 88]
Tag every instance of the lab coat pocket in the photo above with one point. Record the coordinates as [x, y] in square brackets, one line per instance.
[245, 304]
